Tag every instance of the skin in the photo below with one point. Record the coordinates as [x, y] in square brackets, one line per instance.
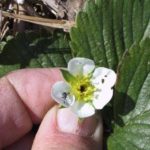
[25, 102]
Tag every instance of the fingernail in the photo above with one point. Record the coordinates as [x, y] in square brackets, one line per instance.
[69, 122]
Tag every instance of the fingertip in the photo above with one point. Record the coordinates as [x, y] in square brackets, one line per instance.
[50, 136]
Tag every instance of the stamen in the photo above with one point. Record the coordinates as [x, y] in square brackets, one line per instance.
[83, 88]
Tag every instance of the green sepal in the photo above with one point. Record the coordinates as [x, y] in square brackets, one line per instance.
[67, 76]
[80, 120]
[61, 106]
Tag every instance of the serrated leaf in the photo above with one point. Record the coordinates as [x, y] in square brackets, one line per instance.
[132, 101]
[106, 28]
[34, 50]
[131, 75]
[104, 31]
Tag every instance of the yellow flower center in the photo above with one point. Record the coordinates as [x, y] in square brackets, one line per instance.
[82, 88]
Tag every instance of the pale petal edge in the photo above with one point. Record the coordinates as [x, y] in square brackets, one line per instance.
[102, 98]
[83, 110]
[107, 75]
[60, 92]
[75, 65]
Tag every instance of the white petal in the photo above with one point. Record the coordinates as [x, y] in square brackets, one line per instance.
[102, 97]
[75, 65]
[83, 110]
[61, 94]
[88, 69]
[104, 77]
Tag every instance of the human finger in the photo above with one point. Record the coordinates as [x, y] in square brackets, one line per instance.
[61, 129]
[25, 143]
[24, 100]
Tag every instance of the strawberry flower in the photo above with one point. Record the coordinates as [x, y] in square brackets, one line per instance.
[87, 88]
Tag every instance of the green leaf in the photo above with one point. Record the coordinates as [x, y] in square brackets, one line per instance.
[32, 50]
[132, 101]
[67, 76]
[131, 75]
[106, 28]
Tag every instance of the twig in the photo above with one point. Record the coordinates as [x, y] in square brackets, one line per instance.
[53, 23]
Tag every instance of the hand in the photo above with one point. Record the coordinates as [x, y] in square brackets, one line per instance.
[25, 101]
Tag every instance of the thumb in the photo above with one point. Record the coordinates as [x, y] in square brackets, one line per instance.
[61, 128]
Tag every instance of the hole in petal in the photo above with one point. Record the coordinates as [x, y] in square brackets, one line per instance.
[64, 95]
[68, 100]
[103, 80]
